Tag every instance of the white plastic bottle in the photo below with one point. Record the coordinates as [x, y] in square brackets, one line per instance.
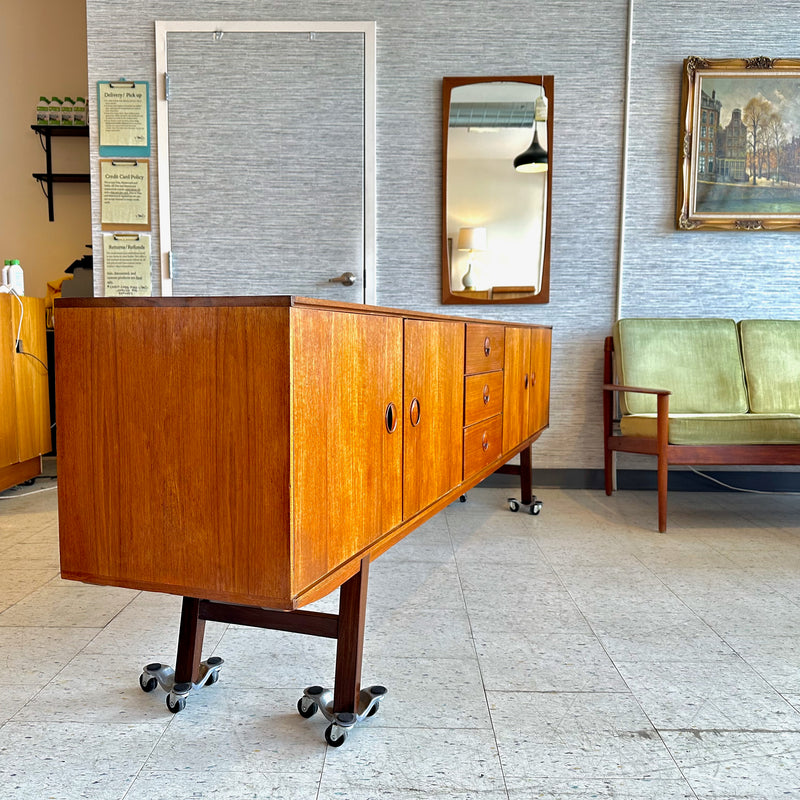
[16, 280]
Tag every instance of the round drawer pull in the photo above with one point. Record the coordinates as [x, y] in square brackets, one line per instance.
[391, 418]
[414, 412]
[487, 347]
[486, 394]
[485, 442]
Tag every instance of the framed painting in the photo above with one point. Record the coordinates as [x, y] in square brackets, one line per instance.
[739, 150]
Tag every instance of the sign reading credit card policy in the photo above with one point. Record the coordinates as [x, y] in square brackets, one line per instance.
[126, 265]
[125, 193]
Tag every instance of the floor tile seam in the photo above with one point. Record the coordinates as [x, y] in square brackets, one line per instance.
[507, 691]
[143, 765]
[33, 589]
[780, 692]
[643, 712]
[479, 668]
[754, 731]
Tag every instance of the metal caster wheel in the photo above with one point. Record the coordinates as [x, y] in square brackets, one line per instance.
[535, 507]
[147, 684]
[176, 705]
[374, 710]
[513, 505]
[214, 676]
[307, 708]
[335, 736]
[462, 499]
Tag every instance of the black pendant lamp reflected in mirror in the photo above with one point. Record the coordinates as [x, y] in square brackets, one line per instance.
[534, 159]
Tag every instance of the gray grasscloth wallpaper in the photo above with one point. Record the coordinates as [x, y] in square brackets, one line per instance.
[583, 45]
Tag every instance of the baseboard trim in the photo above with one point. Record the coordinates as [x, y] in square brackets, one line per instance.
[680, 480]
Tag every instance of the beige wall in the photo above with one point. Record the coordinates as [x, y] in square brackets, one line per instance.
[42, 51]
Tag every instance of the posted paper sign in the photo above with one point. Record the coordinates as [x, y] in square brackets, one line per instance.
[124, 193]
[123, 114]
[126, 265]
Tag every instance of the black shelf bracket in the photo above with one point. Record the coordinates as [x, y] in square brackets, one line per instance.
[48, 178]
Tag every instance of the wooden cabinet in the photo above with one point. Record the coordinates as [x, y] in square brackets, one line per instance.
[433, 411]
[25, 418]
[539, 401]
[516, 376]
[483, 396]
[255, 450]
[347, 371]
[526, 406]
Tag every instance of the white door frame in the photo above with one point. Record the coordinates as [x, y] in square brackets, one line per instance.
[162, 28]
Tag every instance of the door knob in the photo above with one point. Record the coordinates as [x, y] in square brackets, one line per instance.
[346, 278]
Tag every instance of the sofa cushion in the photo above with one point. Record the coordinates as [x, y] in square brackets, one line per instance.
[714, 429]
[771, 355]
[698, 360]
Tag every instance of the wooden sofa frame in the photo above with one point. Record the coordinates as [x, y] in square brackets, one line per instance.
[666, 453]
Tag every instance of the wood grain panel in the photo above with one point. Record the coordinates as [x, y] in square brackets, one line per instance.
[347, 472]
[434, 376]
[484, 348]
[515, 391]
[483, 396]
[539, 407]
[482, 444]
[30, 378]
[9, 451]
[163, 414]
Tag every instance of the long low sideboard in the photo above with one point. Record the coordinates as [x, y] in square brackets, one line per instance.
[252, 454]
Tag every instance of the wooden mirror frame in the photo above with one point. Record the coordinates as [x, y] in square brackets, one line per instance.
[508, 296]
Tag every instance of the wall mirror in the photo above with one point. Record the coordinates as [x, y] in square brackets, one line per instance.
[497, 135]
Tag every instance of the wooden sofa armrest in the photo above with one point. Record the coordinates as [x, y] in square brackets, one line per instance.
[662, 411]
[609, 387]
[616, 387]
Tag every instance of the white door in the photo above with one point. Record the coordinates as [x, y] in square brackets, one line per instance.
[266, 159]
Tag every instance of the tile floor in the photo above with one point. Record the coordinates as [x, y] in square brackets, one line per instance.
[577, 654]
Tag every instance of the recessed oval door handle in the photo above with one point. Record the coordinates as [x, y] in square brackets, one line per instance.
[486, 394]
[487, 347]
[526, 380]
[391, 418]
[414, 412]
[346, 278]
[485, 442]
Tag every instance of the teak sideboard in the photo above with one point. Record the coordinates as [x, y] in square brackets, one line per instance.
[252, 454]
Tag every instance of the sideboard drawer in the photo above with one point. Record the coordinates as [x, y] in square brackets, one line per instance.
[482, 443]
[483, 396]
[484, 348]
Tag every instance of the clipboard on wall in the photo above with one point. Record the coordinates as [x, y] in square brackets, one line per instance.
[123, 113]
[125, 194]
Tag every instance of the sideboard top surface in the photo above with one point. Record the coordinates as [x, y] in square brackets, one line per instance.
[279, 301]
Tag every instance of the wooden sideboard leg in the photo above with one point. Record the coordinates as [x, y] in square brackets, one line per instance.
[350, 641]
[525, 476]
[190, 642]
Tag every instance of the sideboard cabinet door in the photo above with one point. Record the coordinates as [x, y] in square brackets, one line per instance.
[539, 407]
[347, 436]
[433, 411]
[516, 391]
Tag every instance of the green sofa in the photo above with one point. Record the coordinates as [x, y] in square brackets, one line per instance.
[702, 391]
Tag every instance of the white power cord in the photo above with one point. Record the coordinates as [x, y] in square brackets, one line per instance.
[737, 488]
[27, 494]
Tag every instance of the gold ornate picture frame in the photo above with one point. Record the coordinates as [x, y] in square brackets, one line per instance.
[739, 149]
